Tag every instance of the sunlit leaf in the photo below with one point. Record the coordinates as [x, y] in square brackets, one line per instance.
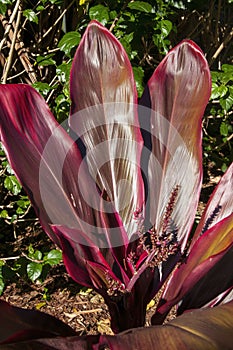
[140, 6]
[99, 13]
[69, 41]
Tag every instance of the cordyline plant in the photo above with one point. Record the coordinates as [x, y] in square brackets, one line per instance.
[118, 193]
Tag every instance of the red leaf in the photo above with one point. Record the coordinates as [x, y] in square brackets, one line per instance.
[177, 93]
[20, 324]
[48, 163]
[219, 206]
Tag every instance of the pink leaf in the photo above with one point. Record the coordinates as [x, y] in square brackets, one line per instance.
[104, 115]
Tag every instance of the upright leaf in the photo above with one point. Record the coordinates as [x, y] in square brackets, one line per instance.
[104, 115]
[177, 93]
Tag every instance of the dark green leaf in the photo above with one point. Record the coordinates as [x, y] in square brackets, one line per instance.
[43, 88]
[69, 41]
[140, 6]
[100, 13]
[112, 14]
[45, 60]
[3, 9]
[34, 270]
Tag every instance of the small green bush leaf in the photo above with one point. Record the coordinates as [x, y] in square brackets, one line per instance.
[3, 9]
[63, 72]
[4, 214]
[37, 255]
[140, 6]
[138, 76]
[69, 41]
[2, 285]
[40, 8]
[100, 13]
[166, 27]
[223, 129]
[54, 257]
[12, 184]
[19, 211]
[45, 60]
[23, 203]
[42, 88]
[226, 103]
[31, 15]
[214, 92]
[34, 270]
[222, 90]
[227, 68]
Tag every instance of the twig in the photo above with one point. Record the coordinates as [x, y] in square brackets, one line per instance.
[221, 47]
[224, 143]
[23, 56]
[119, 14]
[10, 258]
[51, 92]
[33, 260]
[17, 75]
[9, 23]
[56, 22]
[10, 57]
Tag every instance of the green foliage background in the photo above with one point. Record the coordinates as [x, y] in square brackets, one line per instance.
[38, 39]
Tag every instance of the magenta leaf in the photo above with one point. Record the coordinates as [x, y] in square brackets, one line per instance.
[213, 288]
[48, 164]
[20, 324]
[104, 115]
[177, 93]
